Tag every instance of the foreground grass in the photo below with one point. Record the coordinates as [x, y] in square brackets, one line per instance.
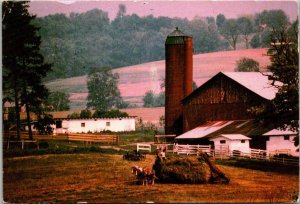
[106, 178]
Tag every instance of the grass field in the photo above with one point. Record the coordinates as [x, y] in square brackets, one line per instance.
[106, 178]
[136, 80]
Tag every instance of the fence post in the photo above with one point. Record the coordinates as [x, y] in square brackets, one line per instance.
[118, 139]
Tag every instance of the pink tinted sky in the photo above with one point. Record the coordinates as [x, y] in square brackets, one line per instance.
[182, 9]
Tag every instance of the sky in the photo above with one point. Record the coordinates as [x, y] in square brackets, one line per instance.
[170, 8]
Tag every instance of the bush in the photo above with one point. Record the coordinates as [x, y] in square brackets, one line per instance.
[181, 170]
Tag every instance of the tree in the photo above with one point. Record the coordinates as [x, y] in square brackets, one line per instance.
[149, 99]
[283, 111]
[247, 65]
[103, 89]
[109, 114]
[265, 24]
[220, 20]
[73, 115]
[57, 101]
[23, 65]
[245, 28]
[230, 32]
[85, 113]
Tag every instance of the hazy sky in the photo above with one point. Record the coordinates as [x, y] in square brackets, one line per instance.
[182, 9]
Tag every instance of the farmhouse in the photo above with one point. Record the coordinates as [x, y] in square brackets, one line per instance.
[281, 142]
[85, 125]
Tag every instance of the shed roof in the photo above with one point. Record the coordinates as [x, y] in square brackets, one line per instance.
[216, 128]
[277, 132]
[204, 130]
[235, 137]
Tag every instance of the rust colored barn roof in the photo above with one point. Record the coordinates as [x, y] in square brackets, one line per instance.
[216, 128]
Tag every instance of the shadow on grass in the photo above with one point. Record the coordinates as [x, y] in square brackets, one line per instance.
[260, 165]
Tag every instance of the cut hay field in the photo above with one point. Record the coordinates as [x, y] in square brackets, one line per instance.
[136, 80]
[105, 178]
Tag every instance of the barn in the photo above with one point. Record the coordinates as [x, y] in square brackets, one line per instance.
[221, 106]
[226, 96]
[85, 125]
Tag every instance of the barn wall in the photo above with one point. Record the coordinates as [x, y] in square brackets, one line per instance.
[97, 125]
[219, 99]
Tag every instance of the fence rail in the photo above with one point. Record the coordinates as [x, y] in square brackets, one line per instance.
[140, 146]
[89, 138]
[191, 149]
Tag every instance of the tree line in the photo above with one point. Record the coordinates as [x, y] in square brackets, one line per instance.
[76, 43]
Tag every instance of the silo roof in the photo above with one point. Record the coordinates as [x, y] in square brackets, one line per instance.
[177, 33]
[176, 37]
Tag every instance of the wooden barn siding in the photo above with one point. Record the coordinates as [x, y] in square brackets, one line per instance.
[207, 104]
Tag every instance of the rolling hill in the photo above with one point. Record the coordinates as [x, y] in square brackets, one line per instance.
[136, 80]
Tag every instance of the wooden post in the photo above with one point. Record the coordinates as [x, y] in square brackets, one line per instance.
[37, 144]
[118, 139]
[22, 144]
[8, 144]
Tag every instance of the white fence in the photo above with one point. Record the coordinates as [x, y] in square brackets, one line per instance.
[191, 149]
[223, 152]
[146, 147]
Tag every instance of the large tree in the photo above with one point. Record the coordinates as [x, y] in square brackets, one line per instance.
[103, 90]
[23, 65]
[285, 69]
[245, 26]
[283, 111]
[230, 31]
[57, 101]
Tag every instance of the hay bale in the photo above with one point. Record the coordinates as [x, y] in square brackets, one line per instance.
[181, 170]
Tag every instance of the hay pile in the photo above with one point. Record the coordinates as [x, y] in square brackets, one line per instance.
[181, 170]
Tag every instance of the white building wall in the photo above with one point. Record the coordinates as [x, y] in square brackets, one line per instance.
[233, 144]
[97, 125]
[278, 143]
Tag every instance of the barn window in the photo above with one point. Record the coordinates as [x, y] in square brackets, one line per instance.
[107, 123]
[82, 124]
[222, 141]
[58, 124]
[242, 141]
[286, 137]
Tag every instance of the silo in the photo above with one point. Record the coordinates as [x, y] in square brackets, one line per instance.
[179, 77]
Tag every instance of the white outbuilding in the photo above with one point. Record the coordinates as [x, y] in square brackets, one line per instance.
[281, 142]
[92, 125]
[237, 142]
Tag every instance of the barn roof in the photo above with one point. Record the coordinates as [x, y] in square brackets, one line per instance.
[256, 82]
[277, 132]
[216, 128]
[235, 137]
[204, 130]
